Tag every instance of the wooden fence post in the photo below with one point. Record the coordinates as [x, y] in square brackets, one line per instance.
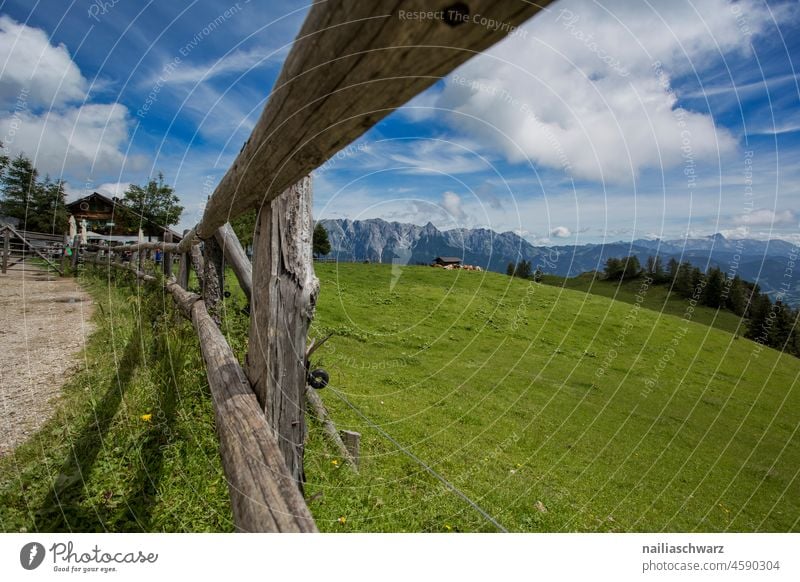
[197, 264]
[76, 247]
[6, 248]
[167, 256]
[183, 271]
[281, 308]
[213, 277]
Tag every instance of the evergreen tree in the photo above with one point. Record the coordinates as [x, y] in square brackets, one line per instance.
[713, 291]
[695, 280]
[524, 270]
[659, 276]
[758, 324]
[780, 333]
[672, 269]
[631, 268]
[511, 269]
[614, 269]
[50, 210]
[20, 183]
[321, 243]
[736, 301]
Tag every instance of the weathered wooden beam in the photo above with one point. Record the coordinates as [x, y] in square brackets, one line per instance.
[328, 427]
[8, 228]
[263, 495]
[281, 308]
[105, 261]
[352, 64]
[213, 278]
[76, 249]
[167, 257]
[197, 264]
[236, 257]
[183, 269]
[6, 248]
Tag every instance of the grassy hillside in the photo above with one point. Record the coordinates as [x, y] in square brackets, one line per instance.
[655, 297]
[553, 409]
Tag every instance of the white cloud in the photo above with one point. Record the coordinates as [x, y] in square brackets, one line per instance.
[42, 94]
[113, 189]
[766, 217]
[588, 88]
[560, 232]
[451, 202]
[32, 66]
[235, 62]
[79, 139]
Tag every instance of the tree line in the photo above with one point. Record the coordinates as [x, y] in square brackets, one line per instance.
[773, 324]
[40, 203]
[524, 270]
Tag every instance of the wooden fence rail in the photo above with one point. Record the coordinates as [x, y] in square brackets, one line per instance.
[352, 64]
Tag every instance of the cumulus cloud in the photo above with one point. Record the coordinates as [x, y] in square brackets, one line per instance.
[112, 189]
[30, 64]
[43, 112]
[767, 217]
[588, 88]
[451, 202]
[560, 232]
[78, 138]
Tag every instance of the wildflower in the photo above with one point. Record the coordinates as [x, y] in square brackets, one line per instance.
[343, 520]
[146, 417]
[335, 462]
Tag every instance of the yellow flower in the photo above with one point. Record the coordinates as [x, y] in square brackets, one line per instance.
[146, 417]
[334, 462]
[343, 520]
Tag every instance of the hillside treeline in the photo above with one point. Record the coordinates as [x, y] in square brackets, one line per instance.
[773, 324]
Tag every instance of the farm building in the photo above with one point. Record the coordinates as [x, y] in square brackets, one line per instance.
[110, 219]
[445, 261]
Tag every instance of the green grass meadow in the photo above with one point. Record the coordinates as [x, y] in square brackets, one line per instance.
[551, 409]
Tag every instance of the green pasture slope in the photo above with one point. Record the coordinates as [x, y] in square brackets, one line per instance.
[552, 409]
[549, 409]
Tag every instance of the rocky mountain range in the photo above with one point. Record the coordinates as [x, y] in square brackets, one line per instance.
[770, 263]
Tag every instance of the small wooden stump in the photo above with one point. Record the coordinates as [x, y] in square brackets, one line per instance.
[352, 441]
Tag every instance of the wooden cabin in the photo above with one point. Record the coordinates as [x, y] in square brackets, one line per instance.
[110, 219]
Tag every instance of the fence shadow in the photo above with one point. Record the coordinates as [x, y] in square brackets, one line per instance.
[144, 489]
[62, 510]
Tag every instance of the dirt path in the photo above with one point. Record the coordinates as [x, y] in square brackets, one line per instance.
[44, 320]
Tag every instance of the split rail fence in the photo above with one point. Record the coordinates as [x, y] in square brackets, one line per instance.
[352, 64]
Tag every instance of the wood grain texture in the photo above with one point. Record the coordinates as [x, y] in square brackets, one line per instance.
[236, 257]
[167, 258]
[213, 278]
[263, 494]
[281, 309]
[352, 64]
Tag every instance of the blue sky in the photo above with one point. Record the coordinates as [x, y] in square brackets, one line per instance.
[596, 121]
